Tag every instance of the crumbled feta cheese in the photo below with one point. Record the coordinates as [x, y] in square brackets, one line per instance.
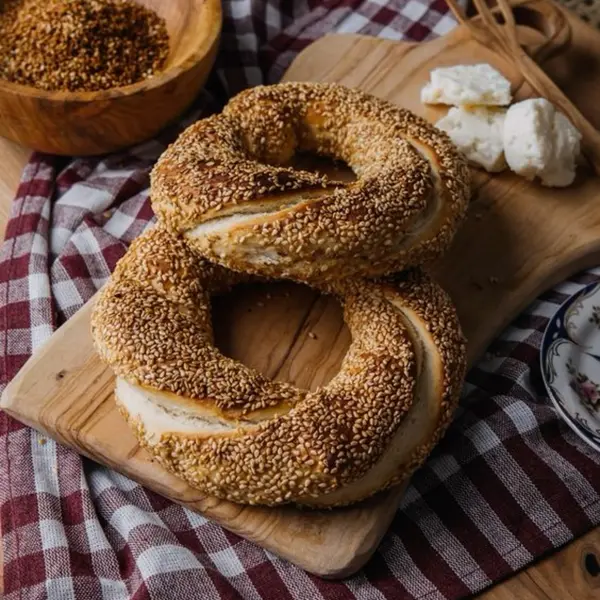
[540, 141]
[463, 85]
[477, 133]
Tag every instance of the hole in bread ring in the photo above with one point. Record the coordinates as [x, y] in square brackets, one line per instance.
[284, 330]
[226, 184]
[235, 434]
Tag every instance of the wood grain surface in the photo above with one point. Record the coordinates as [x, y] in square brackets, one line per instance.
[562, 576]
[103, 121]
[14, 158]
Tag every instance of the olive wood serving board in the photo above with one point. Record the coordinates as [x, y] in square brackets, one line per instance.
[518, 240]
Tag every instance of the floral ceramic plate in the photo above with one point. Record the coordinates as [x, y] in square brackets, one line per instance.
[570, 360]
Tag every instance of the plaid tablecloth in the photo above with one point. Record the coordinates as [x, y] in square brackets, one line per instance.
[508, 483]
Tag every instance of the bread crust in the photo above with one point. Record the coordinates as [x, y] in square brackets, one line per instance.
[229, 209]
[231, 432]
[225, 186]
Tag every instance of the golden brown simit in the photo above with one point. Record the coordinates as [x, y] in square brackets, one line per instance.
[231, 432]
[225, 186]
[229, 207]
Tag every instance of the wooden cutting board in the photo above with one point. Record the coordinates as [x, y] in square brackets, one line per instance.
[519, 239]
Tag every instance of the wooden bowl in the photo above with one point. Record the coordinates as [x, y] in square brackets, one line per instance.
[85, 123]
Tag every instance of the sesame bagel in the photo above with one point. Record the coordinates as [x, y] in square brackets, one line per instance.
[232, 433]
[227, 186]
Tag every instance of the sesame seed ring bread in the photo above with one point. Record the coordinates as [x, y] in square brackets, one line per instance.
[237, 435]
[226, 185]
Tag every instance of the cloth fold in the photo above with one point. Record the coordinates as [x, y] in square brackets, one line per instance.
[507, 484]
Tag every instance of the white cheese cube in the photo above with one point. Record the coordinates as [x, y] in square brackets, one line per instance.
[540, 141]
[463, 85]
[477, 133]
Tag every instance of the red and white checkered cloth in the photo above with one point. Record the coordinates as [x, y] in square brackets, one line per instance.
[508, 483]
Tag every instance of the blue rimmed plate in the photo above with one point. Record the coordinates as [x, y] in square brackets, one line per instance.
[570, 362]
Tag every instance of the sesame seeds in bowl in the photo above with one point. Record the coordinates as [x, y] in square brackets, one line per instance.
[81, 45]
[128, 102]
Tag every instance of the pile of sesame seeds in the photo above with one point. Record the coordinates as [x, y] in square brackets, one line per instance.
[80, 45]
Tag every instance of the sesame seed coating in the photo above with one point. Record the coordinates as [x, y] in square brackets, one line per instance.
[152, 325]
[230, 208]
[410, 195]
